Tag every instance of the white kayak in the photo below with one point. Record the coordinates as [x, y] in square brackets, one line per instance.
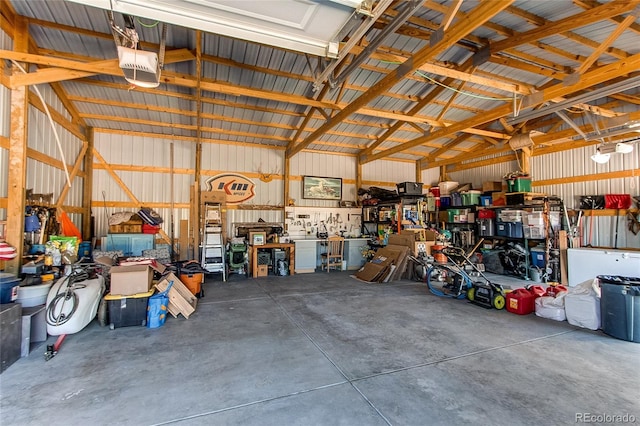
[72, 303]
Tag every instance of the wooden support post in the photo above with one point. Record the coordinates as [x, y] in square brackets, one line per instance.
[418, 171]
[526, 160]
[87, 187]
[287, 177]
[563, 247]
[17, 154]
[358, 174]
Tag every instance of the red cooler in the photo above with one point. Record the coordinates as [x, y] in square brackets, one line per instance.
[521, 301]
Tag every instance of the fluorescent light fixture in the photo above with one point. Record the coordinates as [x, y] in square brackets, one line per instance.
[310, 26]
[600, 158]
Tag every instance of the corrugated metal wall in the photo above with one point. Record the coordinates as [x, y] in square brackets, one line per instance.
[148, 187]
[323, 165]
[597, 230]
[389, 171]
[5, 120]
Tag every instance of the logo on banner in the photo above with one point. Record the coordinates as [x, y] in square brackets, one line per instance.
[237, 187]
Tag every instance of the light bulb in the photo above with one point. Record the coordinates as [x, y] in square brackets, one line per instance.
[600, 158]
[624, 148]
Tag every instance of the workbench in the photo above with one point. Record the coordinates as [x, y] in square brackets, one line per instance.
[253, 255]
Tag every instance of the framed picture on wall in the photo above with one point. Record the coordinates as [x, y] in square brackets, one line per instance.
[321, 188]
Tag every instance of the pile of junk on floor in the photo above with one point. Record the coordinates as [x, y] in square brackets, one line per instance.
[68, 284]
[610, 303]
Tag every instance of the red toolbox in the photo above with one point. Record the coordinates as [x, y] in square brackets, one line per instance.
[521, 301]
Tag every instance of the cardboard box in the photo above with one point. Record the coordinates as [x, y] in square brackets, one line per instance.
[257, 238]
[499, 199]
[213, 197]
[263, 270]
[492, 186]
[130, 280]
[423, 247]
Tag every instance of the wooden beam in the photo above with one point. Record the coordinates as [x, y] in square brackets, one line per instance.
[73, 128]
[17, 163]
[589, 79]
[582, 19]
[451, 13]
[540, 22]
[75, 69]
[287, 180]
[74, 172]
[606, 43]
[126, 190]
[472, 21]
[87, 184]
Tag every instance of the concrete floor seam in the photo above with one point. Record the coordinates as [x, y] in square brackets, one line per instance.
[322, 351]
[453, 358]
[248, 299]
[248, 404]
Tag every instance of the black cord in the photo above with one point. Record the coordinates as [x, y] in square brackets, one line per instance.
[63, 296]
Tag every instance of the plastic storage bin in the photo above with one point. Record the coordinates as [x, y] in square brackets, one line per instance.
[127, 311]
[521, 184]
[515, 230]
[33, 295]
[538, 257]
[485, 200]
[445, 201]
[8, 287]
[486, 227]
[471, 198]
[502, 229]
[620, 307]
[409, 188]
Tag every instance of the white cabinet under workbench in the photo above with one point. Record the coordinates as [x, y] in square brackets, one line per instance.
[306, 252]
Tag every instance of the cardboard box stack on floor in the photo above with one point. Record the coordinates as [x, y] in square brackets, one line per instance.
[390, 262]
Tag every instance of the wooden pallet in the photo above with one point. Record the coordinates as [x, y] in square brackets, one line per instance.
[181, 300]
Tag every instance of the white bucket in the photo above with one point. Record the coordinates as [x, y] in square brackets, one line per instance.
[33, 295]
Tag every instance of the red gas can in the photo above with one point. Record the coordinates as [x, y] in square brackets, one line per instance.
[553, 290]
[521, 301]
[537, 290]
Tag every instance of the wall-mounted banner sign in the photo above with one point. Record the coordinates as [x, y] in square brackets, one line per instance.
[238, 188]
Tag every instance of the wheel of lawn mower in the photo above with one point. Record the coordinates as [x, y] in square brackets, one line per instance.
[471, 294]
[498, 301]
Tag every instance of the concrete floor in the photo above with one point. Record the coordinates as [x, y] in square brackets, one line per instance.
[321, 349]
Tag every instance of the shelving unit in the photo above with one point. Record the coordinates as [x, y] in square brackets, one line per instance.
[212, 255]
[544, 236]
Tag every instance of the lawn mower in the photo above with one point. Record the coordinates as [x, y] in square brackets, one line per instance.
[451, 279]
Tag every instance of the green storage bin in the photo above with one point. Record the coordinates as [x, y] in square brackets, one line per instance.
[521, 184]
[452, 213]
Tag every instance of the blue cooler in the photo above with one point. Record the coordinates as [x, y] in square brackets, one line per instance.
[8, 287]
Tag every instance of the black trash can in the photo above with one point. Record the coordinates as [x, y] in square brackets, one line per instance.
[620, 307]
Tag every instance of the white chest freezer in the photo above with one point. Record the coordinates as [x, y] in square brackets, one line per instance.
[587, 263]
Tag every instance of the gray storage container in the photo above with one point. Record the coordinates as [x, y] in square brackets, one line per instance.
[620, 307]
